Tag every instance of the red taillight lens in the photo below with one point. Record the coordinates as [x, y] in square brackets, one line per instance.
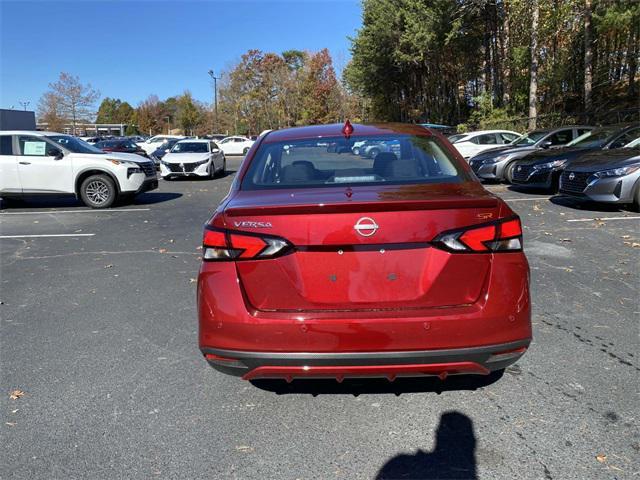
[477, 238]
[500, 236]
[221, 244]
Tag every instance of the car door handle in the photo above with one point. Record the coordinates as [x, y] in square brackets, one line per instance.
[25, 163]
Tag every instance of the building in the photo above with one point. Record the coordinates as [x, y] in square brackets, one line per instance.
[17, 119]
[90, 129]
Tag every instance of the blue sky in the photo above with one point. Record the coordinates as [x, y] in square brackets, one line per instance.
[130, 49]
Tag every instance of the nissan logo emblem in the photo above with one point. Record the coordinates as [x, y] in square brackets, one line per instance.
[572, 176]
[366, 226]
[519, 168]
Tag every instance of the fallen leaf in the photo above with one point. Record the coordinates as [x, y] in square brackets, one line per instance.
[625, 236]
[565, 240]
[162, 250]
[548, 233]
[108, 266]
[601, 458]
[567, 269]
[192, 280]
[244, 448]
[16, 394]
[635, 245]
[11, 424]
[171, 241]
[536, 207]
[199, 247]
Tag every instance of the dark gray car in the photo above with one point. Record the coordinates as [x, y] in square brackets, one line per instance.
[498, 163]
[608, 176]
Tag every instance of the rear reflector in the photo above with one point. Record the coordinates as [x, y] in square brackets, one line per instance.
[500, 236]
[498, 357]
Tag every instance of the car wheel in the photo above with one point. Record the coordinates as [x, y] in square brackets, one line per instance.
[223, 170]
[356, 151]
[635, 206]
[508, 172]
[374, 153]
[98, 191]
[212, 170]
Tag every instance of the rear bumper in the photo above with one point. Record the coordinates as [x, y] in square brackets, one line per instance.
[397, 342]
[441, 363]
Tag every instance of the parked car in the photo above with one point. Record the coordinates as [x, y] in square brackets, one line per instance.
[193, 158]
[470, 144]
[322, 264]
[606, 176]
[152, 144]
[163, 149]
[542, 169]
[235, 145]
[120, 145]
[498, 163]
[372, 148]
[36, 163]
[137, 138]
[216, 137]
[94, 140]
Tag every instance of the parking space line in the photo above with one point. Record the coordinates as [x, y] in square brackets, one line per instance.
[50, 235]
[602, 219]
[106, 210]
[525, 199]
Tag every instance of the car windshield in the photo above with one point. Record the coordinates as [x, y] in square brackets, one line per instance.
[330, 162]
[529, 138]
[634, 144]
[74, 144]
[593, 138]
[455, 138]
[190, 147]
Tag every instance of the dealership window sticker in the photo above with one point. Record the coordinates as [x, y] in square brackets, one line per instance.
[34, 148]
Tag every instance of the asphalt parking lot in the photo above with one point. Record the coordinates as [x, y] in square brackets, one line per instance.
[98, 329]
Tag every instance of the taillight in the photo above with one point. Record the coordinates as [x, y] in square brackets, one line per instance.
[500, 236]
[218, 244]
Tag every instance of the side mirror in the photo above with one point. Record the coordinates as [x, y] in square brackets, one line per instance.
[59, 155]
[546, 144]
[215, 150]
[166, 150]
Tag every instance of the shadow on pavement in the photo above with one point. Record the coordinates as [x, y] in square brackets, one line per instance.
[150, 198]
[528, 190]
[357, 387]
[452, 458]
[585, 205]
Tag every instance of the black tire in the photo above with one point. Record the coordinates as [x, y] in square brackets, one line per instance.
[635, 206]
[212, 170]
[98, 191]
[356, 151]
[508, 172]
[223, 171]
[374, 153]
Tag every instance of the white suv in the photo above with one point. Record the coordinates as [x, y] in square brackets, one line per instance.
[47, 163]
[235, 145]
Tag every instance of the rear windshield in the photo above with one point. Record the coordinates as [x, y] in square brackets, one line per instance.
[592, 138]
[330, 162]
[529, 138]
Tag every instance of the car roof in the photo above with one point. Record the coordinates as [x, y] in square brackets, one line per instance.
[483, 132]
[31, 132]
[335, 130]
[194, 140]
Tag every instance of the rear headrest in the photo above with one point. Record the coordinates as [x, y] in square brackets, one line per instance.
[382, 160]
[298, 172]
[402, 169]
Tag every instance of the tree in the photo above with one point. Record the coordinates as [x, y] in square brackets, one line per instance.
[75, 100]
[588, 56]
[320, 93]
[533, 68]
[50, 112]
[189, 115]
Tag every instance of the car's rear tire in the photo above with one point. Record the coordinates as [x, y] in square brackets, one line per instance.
[508, 172]
[98, 191]
[374, 153]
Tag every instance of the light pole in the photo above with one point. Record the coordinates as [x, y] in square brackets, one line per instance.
[24, 104]
[168, 125]
[215, 100]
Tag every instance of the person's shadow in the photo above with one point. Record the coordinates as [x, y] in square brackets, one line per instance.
[452, 458]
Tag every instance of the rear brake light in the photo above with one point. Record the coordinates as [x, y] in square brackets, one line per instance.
[218, 244]
[501, 236]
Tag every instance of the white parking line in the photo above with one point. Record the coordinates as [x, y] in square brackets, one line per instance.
[525, 199]
[55, 212]
[602, 219]
[51, 235]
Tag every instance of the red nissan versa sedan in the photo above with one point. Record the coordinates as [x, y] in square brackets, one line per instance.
[324, 263]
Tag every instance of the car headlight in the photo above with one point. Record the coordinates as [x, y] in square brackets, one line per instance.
[617, 172]
[550, 165]
[497, 159]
